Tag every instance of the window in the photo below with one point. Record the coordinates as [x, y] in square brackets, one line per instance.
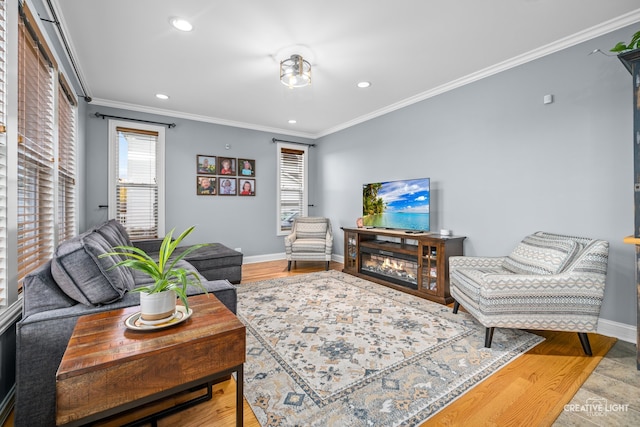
[292, 185]
[66, 162]
[136, 178]
[36, 174]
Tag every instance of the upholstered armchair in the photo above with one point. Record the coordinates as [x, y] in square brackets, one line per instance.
[549, 282]
[311, 239]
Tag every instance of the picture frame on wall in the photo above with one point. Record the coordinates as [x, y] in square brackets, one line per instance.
[227, 186]
[247, 187]
[206, 185]
[227, 166]
[246, 167]
[206, 164]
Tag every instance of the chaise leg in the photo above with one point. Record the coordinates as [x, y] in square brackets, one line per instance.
[584, 340]
[289, 266]
[488, 337]
[456, 306]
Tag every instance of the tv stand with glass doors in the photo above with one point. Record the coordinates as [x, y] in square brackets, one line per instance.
[416, 263]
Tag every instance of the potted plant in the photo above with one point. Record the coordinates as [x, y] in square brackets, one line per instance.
[158, 299]
[627, 53]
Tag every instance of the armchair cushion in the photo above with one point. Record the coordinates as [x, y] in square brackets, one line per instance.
[541, 255]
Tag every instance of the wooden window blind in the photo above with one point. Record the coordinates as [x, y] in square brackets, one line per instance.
[292, 186]
[35, 149]
[3, 161]
[137, 182]
[66, 162]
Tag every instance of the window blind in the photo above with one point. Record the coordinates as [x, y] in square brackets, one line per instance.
[35, 150]
[292, 186]
[3, 162]
[66, 161]
[137, 183]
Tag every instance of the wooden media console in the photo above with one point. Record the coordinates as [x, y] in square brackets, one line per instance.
[417, 263]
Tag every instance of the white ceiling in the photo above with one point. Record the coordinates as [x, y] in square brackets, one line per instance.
[226, 70]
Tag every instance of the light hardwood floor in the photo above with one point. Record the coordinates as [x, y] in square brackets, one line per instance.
[532, 390]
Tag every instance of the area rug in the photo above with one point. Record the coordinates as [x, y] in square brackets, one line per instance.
[331, 349]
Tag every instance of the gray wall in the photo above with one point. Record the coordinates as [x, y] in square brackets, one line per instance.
[248, 223]
[504, 165]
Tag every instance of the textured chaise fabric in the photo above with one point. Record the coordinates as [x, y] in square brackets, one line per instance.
[51, 309]
[549, 282]
[311, 239]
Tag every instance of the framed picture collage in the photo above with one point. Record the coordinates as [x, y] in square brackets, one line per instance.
[225, 176]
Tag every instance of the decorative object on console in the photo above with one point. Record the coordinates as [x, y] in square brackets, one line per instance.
[549, 282]
[168, 278]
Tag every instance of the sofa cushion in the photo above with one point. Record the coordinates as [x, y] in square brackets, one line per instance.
[41, 292]
[114, 233]
[84, 276]
[540, 255]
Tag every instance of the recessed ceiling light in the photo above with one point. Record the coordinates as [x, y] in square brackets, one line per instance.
[162, 96]
[292, 122]
[364, 84]
[181, 24]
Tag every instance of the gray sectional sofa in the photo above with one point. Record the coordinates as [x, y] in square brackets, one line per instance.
[78, 282]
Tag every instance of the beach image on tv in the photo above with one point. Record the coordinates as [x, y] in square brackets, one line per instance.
[400, 204]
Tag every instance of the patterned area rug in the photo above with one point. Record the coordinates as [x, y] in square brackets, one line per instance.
[331, 349]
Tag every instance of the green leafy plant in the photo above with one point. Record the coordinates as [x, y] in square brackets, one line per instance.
[633, 44]
[166, 276]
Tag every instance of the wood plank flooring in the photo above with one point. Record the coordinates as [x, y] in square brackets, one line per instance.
[532, 390]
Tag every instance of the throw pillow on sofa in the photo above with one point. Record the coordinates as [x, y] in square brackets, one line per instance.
[540, 255]
[84, 276]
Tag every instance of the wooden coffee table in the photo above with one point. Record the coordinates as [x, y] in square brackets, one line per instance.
[107, 368]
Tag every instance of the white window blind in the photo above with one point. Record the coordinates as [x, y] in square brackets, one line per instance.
[137, 190]
[66, 162]
[35, 150]
[292, 186]
[3, 161]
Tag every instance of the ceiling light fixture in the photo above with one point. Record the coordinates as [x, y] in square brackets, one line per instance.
[181, 24]
[364, 84]
[162, 96]
[295, 72]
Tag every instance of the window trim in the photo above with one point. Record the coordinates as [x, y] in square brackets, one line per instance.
[305, 194]
[160, 161]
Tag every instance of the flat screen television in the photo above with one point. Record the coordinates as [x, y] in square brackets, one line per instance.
[402, 204]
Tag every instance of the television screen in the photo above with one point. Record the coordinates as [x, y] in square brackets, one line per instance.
[402, 204]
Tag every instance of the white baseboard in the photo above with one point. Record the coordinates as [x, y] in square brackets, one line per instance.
[262, 258]
[622, 331]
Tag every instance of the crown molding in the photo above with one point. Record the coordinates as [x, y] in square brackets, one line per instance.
[572, 40]
[198, 118]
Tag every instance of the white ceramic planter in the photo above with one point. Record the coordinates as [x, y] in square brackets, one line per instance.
[157, 306]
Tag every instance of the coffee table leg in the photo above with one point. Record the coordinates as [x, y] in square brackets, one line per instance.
[240, 396]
